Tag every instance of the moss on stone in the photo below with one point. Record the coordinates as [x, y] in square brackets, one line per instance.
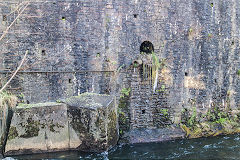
[51, 127]
[99, 122]
[123, 111]
[31, 128]
[26, 106]
[215, 122]
[112, 130]
[89, 100]
[13, 133]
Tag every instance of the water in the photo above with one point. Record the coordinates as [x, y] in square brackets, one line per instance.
[222, 147]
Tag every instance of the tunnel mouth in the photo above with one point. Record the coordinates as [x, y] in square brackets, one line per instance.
[146, 47]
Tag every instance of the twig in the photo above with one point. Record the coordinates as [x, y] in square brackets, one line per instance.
[6, 31]
[17, 8]
[14, 74]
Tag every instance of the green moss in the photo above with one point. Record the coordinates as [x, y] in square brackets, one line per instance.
[210, 35]
[162, 89]
[112, 130]
[164, 112]
[51, 127]
[238, 72]
[58, 101]
[214, 122]
[26, 106]
[31, 129]
[99, 122]
[59, 126]
[125, 92]
[7, 100]
[123, 111]
[192, 120]
[13, 133]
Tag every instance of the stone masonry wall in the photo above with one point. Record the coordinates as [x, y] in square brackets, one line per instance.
[198, 39]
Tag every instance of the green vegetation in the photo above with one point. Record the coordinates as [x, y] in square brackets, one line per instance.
[31, 128]
[164, 112]
[210, 35]
[118, 70]
[21, 98]
[135, 64]
[123, 111]
[162, 89]
[238, 72]
[13, 133]
[216, 121]
[192, 120]
[7, 100]
[125, 92]
[98, 55]
[58, 126]
[26, 106]
[190, 31]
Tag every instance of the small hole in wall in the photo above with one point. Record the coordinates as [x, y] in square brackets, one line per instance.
[4, 18]
[28, 102]
[143, 111]
[98, 55]
[232, 42]
[69, 80]
[186, 74]
[44, 52]
[211, 4]
[135, 15]
[54, 2]
[63, 18]
[146, 47]
[215, 80]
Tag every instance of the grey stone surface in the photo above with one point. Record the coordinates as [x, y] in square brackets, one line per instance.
[142, 135]
[93, 122]
[38, 128]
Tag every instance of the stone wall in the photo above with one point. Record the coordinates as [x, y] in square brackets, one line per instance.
[198, 39]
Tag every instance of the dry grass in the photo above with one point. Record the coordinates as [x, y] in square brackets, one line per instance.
[7, 100]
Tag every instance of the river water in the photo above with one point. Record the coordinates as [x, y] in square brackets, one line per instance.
[222, 147]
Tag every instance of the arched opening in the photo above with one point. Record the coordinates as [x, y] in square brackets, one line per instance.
[146, 47]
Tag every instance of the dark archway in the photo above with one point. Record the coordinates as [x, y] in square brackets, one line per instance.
[146, 47]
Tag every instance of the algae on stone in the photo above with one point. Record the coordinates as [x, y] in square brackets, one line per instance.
[13, 133]
[215, 122]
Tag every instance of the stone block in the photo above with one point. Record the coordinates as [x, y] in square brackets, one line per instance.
[87, 122]
[38, 128]
[92, 122]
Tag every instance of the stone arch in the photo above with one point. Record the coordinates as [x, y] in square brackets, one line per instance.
[146, 47]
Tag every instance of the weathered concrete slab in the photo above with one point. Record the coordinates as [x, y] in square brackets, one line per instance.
[92, 122]
[38, 128]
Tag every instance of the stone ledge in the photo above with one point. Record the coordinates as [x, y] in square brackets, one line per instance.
[143, 135]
